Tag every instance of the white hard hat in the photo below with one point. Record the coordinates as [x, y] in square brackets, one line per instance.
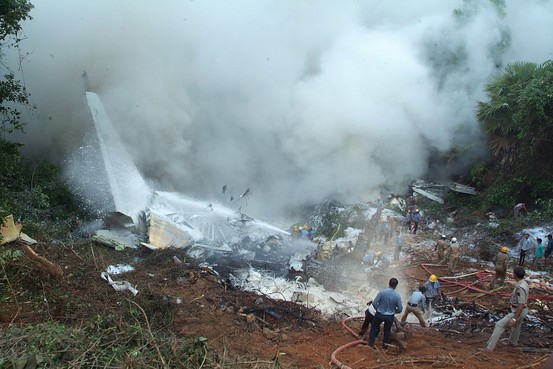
[444, 237]
[453, 239]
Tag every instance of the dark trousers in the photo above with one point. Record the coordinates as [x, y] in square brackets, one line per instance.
[375, 328]
[522, 257]
[415, 227]
[368, 320]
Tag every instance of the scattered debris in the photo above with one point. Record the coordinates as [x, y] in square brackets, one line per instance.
[119, 285]
[163, 233]
[428, 194]
[11, 231]
[119, 269]
[457, 187]
[119, 238]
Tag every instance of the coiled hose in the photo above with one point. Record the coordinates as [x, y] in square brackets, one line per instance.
[333, 359]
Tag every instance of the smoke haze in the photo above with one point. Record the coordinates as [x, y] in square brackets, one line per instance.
[297, 100]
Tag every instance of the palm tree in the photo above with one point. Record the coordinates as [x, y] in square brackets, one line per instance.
[499, 116]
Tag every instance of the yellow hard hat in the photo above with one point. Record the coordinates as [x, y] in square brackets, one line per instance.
[377, 253]
[304, 227]
[296, 227]
[504, 249]
[433, 278]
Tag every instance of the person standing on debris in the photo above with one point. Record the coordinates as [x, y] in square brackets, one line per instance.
[386, 231]
[514, 319]
[295, 234]
[310, 233]
[548, 248]
[453, 256]
[525, 245]
[399, 245]
[518, 208]
[432, 292]
[440, 248]
[409, 220]
[304, 232]
[416, 300]
[538, 252]
[387, 303]
[501, 264]
[416, 219]
[369, 316]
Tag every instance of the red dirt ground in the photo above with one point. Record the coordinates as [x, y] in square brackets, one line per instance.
[210, 309]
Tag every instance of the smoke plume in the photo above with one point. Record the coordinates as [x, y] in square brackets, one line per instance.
[297, 100]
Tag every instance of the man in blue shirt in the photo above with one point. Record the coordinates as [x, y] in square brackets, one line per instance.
[409, 220]
[416, 219]
[387, 303]
[432, 292]
[416, 300]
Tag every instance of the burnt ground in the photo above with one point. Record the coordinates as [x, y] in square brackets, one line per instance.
[245, 330]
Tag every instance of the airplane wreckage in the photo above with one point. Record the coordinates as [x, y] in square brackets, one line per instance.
[137, 215]
[435, 192]
[226, 240]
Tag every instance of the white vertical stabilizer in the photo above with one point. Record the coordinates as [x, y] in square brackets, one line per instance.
[129, 191]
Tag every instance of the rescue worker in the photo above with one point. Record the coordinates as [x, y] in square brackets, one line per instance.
[548, 248]
[399, 245]
[501, 264]
[369, 315]
[295, 234]
[513, 320]
[304, 232]
[538, 252]
[416, 219]
[441, 246]
[386, 304]
[518, 208]
[381, 260]
[432, 292]
[369, 257]
[415, 305]
[409, 220]
[385, 230]
[525, 245]
[310, 233]
[453, 256]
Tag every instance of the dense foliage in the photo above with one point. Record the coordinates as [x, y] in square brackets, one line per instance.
[31, 191]
[13, 94]
[518, 119]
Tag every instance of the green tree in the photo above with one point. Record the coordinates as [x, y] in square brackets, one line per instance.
[518, 119]
[12, 92]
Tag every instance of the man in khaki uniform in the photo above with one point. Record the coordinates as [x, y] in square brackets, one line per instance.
[501, 263]
[519, 310]
[453, 256]
[440, 248]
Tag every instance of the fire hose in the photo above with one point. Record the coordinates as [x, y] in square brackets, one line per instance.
[337, 363]
[333, 359]
[470, 286]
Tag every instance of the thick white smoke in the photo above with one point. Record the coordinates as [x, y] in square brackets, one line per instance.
[298, 100]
